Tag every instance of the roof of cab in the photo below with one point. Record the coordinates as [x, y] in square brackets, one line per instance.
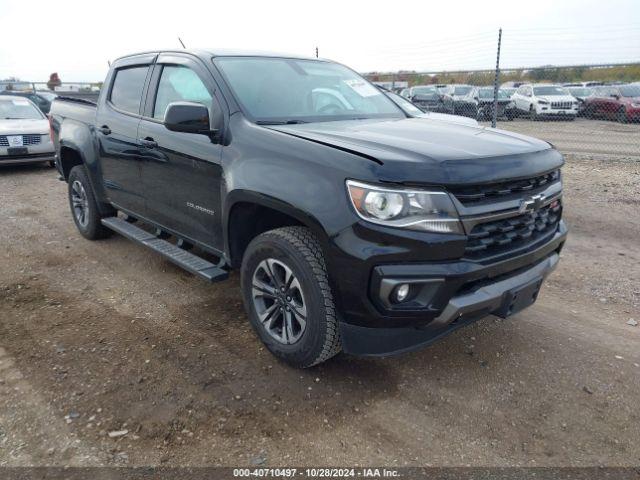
[222, 52]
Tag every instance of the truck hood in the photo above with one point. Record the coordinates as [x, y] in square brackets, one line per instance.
[417, 151]
[20, 127]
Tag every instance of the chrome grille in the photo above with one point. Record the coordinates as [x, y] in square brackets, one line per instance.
[500, 236]
[31, 139]
[474, 194]
[28, 139]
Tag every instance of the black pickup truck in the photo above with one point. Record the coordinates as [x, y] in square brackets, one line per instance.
[354, 226]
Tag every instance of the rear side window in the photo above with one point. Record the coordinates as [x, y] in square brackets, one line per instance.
[126, 93]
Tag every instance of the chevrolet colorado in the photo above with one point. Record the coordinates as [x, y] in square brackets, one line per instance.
[354, 226]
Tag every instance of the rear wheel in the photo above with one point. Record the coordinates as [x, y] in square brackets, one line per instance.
[84, 207]
[287, 296]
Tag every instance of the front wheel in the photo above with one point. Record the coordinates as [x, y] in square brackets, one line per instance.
[287, 296]
[84, 207]
[533, 114]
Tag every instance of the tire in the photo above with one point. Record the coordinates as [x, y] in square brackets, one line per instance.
[265, 260]
[84, 208]
[52, 163]
[621, 115]
[533, 114]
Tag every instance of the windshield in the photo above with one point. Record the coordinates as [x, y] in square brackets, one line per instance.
[630, 90]
[404, 104]
[550, 91]
[284, 90]
[18, 109]
[580, 91]
[488, 93]
[463, 90]
[424, 90]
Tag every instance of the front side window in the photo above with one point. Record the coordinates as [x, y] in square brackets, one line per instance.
[126, 92]
[179, 84]
[278, 90]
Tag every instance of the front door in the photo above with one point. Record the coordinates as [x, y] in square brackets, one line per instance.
[181, 172]
[117, 124]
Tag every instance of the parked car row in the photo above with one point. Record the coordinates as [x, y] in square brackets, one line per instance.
[536, 101]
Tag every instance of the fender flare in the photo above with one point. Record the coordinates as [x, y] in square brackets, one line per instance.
[247, 196]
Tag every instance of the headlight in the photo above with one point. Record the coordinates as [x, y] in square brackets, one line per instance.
[422, 210]
[543, 102]
[635, 105]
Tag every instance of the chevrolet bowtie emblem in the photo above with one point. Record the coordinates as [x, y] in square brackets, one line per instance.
[532, 204]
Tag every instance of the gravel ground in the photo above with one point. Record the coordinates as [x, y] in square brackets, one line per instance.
[110, 355]
[581, 136]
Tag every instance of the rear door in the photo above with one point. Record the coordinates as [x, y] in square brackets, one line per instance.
[181, 172]
[117, 120]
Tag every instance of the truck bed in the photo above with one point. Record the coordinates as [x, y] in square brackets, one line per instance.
[77, 109]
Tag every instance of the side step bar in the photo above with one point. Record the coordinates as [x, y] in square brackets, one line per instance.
[190, 262]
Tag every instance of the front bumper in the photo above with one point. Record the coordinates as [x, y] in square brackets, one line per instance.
[459, 312]
[27, 159]
[41, 152]
[468, 291]
[546, 110]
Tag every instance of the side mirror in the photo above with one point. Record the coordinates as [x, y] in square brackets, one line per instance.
[616, 96]
[188, 117]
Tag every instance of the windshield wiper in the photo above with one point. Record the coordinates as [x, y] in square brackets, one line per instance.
[277, 122]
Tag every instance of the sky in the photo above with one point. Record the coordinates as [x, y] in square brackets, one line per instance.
[78, 38]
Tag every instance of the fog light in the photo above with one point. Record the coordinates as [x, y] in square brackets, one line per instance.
[402, 291]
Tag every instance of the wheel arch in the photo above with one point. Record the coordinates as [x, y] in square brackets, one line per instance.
[247, 214]
[69, 156]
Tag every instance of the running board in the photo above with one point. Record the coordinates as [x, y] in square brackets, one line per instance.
[187, 260]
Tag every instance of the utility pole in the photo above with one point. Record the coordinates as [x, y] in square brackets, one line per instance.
[494, 117]
[316, 52]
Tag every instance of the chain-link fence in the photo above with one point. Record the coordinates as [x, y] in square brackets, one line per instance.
[586, 108]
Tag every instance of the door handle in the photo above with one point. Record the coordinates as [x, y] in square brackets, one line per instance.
[104, 130]
[148, 142]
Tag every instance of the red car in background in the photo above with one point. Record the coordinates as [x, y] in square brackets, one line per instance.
[618, 102]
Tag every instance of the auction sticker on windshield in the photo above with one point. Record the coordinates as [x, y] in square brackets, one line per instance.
[362, 88]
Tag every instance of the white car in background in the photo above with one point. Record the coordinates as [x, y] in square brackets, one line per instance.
[24, 133]
[544, 100]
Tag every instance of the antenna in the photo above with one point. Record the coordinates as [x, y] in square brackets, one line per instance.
[109, 63]
[316, 52]
[181, 43]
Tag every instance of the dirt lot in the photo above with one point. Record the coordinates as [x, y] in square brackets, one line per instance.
[98, 337]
